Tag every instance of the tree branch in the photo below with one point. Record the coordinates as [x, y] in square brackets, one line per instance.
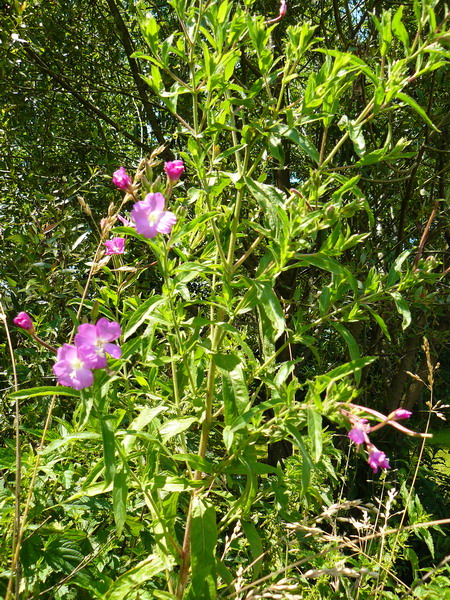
[138, 81]
[37, 60]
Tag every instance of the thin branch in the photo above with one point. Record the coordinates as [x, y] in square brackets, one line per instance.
[138, 81]
[86, 103]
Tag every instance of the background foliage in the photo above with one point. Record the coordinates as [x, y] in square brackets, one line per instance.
[239, 336]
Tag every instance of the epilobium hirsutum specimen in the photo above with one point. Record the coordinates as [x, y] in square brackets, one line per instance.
[377, 459]
[73, 366]
[98, 338]
[75, 362]
[359, 433]
[115, 246]
[150, 217]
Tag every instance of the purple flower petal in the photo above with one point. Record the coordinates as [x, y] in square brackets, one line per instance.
[108, 330]
[115, 246]
[71, 368]
[93, 356]
[150, 217]
[124, 221]
[154, 202]
[166, 221]
[121, 180]
[93, 341]
[357, 435]
[114, 350]
[400, 413]
[87, 335]
[377, 459]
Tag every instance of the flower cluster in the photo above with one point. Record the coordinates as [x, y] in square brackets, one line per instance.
[359, 433]
[148, 216]
[92, 342]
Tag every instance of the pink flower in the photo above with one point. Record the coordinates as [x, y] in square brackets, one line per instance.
[98, 339]
[377, 459]
[23, 320]
[121, 180]
[72, 368]
[125, 222]
[174, 169]
[150, 217]
[358, 434]
[115, 246]
[400, 413]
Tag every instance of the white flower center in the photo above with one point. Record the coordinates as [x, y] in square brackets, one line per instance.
[77, 364]
[99, 346]
[153, 217]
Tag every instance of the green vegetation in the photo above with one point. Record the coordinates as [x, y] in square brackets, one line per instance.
[294, 284]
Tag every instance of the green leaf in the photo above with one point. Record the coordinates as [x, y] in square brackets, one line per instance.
[226, 362]
[44, 391]
[399, 29]
[355, 133]
[256, 547]
[315, 432]
[271, 201]
[323, 381]
[203, 550]
[352, 345]
[107, 425]
[270, 305]
[135, 577]
[307, 463]
[175, 484]
[321, 261]
[175, 426]
[234, 386]
[196, 462]
[145, 417]
[141, 314]
[120, 493]
[402, 308]
[419, 110]
[379, 320]
[299, 139]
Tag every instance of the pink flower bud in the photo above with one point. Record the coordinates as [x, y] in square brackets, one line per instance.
[121, 180]
[400, 413]
[23, 320]
[283, 9]
[174, 169]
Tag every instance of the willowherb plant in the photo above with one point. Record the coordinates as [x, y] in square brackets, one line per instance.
[230, 325]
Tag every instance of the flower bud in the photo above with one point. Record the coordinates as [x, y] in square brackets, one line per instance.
[121, 180]
[400, 413]
[23, 320]
[174, 169]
